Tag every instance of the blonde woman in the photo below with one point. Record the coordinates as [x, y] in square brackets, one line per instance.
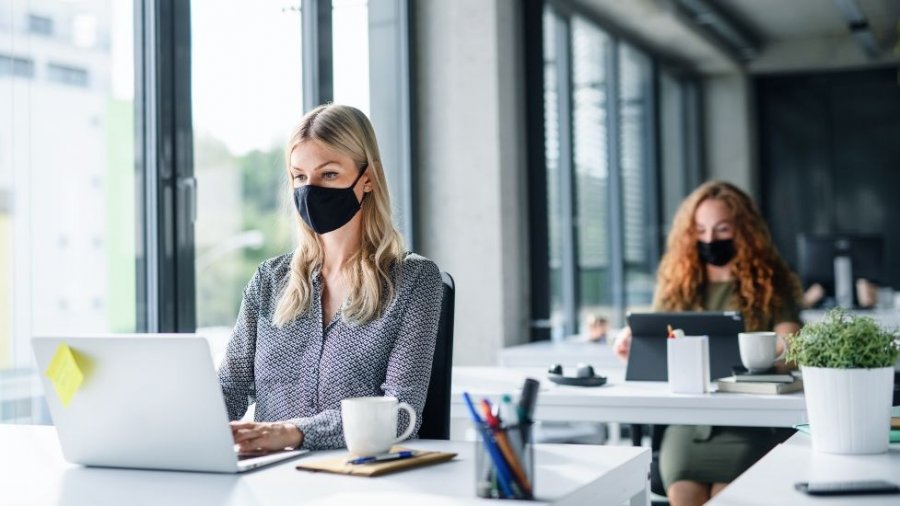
[348, 314]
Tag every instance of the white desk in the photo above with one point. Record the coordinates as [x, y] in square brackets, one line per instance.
[567, 353]
[627, 402]
[34, 473]
[771, 480]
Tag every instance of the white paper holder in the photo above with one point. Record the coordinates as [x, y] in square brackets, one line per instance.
[688, 362]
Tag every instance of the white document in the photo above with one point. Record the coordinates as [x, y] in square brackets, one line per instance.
[688, 361]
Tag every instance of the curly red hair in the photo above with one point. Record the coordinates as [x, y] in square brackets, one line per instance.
[763, 278]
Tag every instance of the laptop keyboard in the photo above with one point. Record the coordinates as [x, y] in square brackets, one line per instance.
[252, 455]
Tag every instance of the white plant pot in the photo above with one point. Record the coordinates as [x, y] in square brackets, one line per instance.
[849, 410]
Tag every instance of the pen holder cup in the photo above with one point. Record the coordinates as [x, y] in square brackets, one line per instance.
[504, 462]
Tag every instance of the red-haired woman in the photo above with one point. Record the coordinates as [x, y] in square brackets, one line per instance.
[719, 256]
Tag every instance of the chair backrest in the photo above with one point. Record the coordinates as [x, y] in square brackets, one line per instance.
[436, 414]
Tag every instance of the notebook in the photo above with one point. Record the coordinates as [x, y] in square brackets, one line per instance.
[339, 464]
[729, 384]
[774, 375]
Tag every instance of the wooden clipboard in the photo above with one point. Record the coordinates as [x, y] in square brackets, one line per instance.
[339, 465]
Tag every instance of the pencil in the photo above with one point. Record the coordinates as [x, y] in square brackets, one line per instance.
[514, 464]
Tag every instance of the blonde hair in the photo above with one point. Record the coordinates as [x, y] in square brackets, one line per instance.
[346, 130]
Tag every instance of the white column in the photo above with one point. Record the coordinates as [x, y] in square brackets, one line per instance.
[730, 130]
[470, 167]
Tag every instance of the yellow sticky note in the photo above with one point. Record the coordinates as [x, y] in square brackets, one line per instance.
[64, 373]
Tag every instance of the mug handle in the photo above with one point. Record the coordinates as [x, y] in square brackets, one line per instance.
[783, 348]
[412, 421]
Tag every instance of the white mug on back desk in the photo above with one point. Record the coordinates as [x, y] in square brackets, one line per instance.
[370, 424]
[758, 350]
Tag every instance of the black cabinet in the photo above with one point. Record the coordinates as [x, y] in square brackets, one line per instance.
[829, 156]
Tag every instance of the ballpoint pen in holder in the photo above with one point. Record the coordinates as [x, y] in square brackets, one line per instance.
[508, 472]
[504, 458]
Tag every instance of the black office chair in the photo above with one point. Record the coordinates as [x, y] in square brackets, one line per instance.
[436, 414]
[656, 435]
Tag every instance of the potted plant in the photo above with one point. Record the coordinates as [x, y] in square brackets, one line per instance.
[847, 364]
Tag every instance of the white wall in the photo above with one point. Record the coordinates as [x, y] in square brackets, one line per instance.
[470, 167]
[729, 130]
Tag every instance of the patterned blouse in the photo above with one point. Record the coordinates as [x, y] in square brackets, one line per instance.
[299, 373]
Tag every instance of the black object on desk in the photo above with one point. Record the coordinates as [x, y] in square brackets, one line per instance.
[649, 331]
[584, 377]
[866, 487]
[527, 401]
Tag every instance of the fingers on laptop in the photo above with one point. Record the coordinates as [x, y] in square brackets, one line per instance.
[235, 426]
[250, 443]
[242, 435]
[252, 436]
[263, 436]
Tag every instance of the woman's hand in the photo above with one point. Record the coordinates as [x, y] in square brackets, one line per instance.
[623, 344]
[265, 437]
[781, 330]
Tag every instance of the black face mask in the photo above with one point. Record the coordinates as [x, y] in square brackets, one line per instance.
[327, 209]
[717, 253]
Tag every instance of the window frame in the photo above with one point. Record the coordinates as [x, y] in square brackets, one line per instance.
[533, 11]
[166, 193]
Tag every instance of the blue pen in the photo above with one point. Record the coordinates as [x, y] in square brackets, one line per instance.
[503, 477]
[405, 454]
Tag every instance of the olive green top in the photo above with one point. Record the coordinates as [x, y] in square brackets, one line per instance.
[722, 296]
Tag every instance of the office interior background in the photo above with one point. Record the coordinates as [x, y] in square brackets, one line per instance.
[536, 150]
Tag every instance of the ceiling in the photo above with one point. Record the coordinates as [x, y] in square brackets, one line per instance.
[792, 34]
[656, 25]
[782, 20]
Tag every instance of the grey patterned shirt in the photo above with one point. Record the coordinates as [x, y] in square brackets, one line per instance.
[300, 372]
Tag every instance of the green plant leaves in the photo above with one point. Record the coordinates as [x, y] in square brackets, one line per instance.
[844, 341]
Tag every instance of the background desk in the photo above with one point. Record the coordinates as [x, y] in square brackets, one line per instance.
[884, 317]
[628, 402]
[771, 480]
[34, 473]
[567, 353]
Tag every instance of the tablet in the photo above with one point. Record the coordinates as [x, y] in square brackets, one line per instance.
[647, 357]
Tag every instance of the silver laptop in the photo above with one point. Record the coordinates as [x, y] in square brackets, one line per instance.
[147, 401]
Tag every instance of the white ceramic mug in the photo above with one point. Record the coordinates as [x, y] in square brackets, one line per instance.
[370, 424]
[758, 350]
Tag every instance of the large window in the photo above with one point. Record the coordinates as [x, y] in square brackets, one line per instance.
[247, 93]
[637, 148]
[590, 53]
[350, 35]
[553, 61]
[679, 140]
[67, 183]
[138, 193]
[601, 152]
